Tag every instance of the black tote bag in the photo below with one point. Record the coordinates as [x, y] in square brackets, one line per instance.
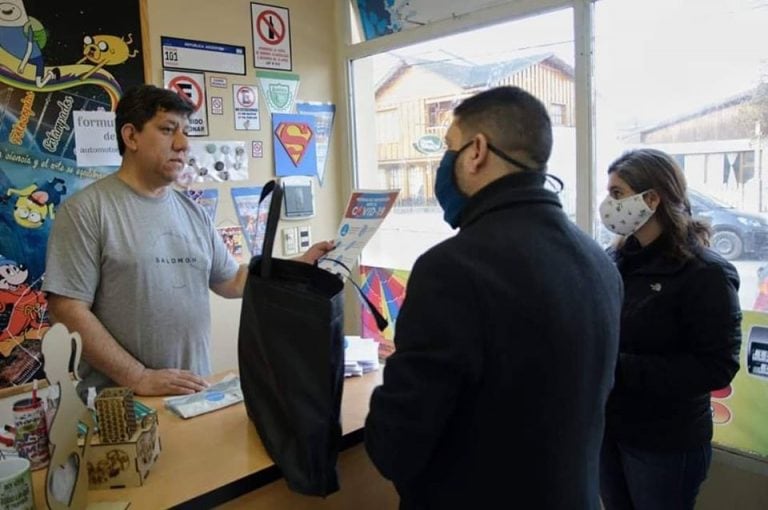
[291, 359]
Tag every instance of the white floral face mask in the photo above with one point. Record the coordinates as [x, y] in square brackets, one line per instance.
[624, 216]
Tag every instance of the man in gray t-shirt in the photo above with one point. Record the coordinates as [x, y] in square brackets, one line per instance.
[130, 260]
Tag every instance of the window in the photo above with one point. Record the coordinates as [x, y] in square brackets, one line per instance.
[411, 104]
[688, 77]
[691, 87]
[557, 114]
[387, 126]
[440, 114]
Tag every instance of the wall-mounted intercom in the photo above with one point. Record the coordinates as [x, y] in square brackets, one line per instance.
[298, 197]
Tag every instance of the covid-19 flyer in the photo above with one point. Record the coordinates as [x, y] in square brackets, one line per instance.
[365, 211]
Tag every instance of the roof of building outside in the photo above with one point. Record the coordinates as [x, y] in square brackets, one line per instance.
[736, 99]
[470, 76]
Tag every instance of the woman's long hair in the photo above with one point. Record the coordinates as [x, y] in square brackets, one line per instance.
[645, 169]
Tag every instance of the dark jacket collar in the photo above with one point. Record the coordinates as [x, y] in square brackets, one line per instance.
[632, 257]
[508, 191]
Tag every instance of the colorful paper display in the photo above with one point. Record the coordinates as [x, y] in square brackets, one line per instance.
[740, 411]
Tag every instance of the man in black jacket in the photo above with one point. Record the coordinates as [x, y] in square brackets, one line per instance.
[507, 340]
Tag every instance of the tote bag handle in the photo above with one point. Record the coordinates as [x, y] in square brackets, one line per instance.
[272, 220]
[269, 240]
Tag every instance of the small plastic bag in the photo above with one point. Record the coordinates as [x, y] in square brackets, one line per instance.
[222, 394]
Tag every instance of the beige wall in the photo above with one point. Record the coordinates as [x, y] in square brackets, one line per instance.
[314, 46]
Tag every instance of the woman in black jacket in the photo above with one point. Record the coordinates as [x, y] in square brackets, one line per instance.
[680, 338]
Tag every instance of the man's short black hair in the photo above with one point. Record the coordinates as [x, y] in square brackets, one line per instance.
[512, 119]
[139, 104]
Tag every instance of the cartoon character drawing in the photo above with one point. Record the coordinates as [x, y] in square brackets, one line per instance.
[24, 37]
[27, 316]
[36, 203]
[105, 50]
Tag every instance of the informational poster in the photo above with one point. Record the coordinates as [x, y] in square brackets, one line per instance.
[233, 240]
[324, 114]
[295, 144]
[385, 288]
[202, 55]
[246, 106]
[208, 199]
[44, 79]
[252, 218]
[740, 411]
[95, 138]
[364, 213]
[279, 90]
[215, 161]
[191, 86]
[271, 27]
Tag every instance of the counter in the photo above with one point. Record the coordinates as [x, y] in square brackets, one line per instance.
[217, 457]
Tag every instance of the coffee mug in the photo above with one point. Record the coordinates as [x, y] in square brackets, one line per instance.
[31, 431]
[16, 484]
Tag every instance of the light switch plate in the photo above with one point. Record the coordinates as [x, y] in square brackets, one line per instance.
[290, 241]
[305, 238]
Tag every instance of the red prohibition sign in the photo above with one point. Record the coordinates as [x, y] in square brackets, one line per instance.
[275, 32]
[245, 96]
[175, 84]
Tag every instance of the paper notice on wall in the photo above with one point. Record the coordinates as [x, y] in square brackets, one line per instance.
[95, 138]
[271, 27]
[246, 108]
[215, 161]
[365, 211]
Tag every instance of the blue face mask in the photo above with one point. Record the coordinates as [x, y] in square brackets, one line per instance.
[450, 198]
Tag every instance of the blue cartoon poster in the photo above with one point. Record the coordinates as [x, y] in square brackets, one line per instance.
[53, 61]
[295, 144]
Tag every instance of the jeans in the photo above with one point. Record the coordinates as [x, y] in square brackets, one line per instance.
[637, 479]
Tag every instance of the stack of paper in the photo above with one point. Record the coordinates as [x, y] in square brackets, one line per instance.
[361, 355]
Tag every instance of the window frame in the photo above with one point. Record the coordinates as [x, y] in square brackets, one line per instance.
[583, 18]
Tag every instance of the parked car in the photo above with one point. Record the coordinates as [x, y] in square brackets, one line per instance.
[734, 233]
